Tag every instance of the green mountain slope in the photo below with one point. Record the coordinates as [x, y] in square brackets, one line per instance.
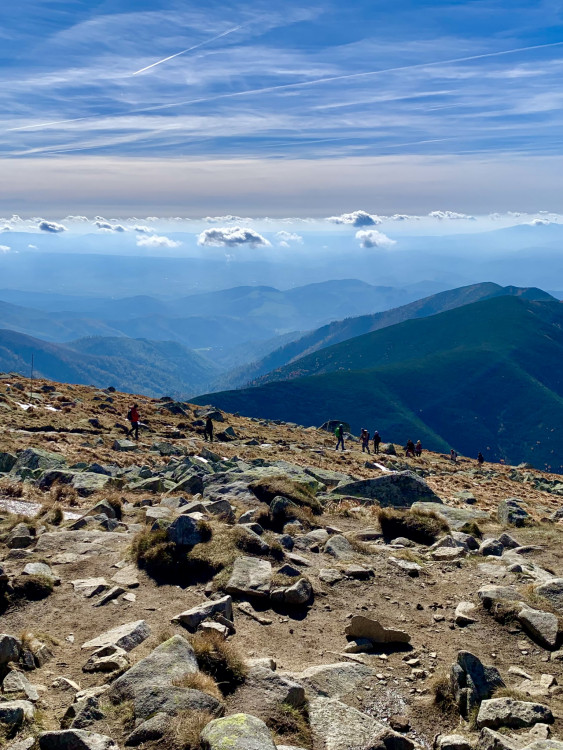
[342, 330]
[485, 376]
[134, 365]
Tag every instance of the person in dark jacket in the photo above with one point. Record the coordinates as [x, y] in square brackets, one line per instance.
[208, 432]
[418, 449]
[365, 440]
[409, 449]
[134, 418]
[480, 459]
[376, 441]
[339, 432]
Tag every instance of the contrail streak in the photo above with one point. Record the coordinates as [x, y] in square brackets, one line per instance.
[189, 49]
[298, 85]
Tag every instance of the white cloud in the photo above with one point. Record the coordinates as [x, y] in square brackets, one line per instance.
[142, 229]
[226, 219]
[33, 247]
[51, 226]
[286, 238]
[6, 228]
[231, 237]
[540, 222]
[155, 240]
[107, 227]
[373, 238]
[450, 215]
[404, 217]
[356, 219]
[5, 248]
[81, 219]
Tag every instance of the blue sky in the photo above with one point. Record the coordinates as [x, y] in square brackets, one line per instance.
[304, 108]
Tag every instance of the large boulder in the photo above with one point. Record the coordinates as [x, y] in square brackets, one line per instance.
[169, 699]
[7, 462]
[511, 512]
[398, 490]
[238, 732]
[264, 690]
[127, 636]
[507, 712]
[472, 681]
[333, 680]
[37, 458]
[251, 576]
[20, 537]
[184, 532]
[172, 661]
[339, 547]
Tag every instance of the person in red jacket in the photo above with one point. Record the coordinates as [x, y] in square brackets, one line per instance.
[134, 418]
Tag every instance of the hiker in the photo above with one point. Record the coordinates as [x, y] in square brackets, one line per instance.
[133, 417]
[480, 459]
[453, 456]
[208, 432]
[339, 432]
[418, 449]
[376, 441]
[409, 449]
[365, 440]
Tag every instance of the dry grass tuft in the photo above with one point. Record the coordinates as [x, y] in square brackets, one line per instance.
[200, 681]
[418, 526]
[184, 731]
[443, 696]
[63, 493]
[31, 588]
[290, 725]
[219, 659]
[508, 692]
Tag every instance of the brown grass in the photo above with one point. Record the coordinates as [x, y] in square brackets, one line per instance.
[31, 588]
[508, 692]
[418, 526]
[219, 659]
[290, 725]
[184, 731]
[443, 697]
[200, 681]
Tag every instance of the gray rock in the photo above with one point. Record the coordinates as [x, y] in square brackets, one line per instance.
[171, 661]
[330, 575]
[553, 592]
[472, 681]
[220, 507]
[82, 713]
[326, 476]
[491, 740]
[251, 540]
[192, 618]
[84, 544]
[36, 458]
[465, 614]
[410, 568]
[455, 517]
[543, 627]
[14, 713]
[184, 531]
[149, 731]
[447, 554]
[333, 680]
[511, 512]
[20, 537]
[75, 739]
[7, 462]
[399, 490]
[127, 636]
[124, 445]
[41, 569]
[108, 596]
[89, 587]
[10, 649]
[127, 576]
[299, 593]
[16, 686]
[335, 726]
[339, 547]
[366, 627]
[469, 543]
[251, 576]
[452, 742]
[508, 541]
[87, 483]
[358, 572]
[490, 595]
[264, 690]
[238, 732]
[152, 699]
[491, 547]
[507, 712]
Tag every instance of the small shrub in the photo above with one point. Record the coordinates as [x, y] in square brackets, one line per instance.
[268, 488]
[200, 681]
[184, 730]
[31, 588]
[419, 527]
[219, 659]
[63, 493]
[56, 517]
[154, 553]
[291, 725]
[11, 488]
[443, 695]
[205, 530]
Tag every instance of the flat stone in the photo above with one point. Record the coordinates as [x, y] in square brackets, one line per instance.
[358, 571]
[339, 547]
[465, 614]
[333, 680]
[489, 595]
[127, 636]
[399, 490]
[330, 575]
[447, 554]
[41, 569]
[506, 712]
[75, 739]
[127, 577]
[511, 512]
[366, 627]
[264, 690]
[17, 686]
[251, 576]
[169, 699]
[412, 569]
[109, 596]
[82, 543]
[192, 618]
[14, 713]
[89, 587]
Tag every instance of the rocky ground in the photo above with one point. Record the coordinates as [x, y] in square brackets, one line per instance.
[265, 591]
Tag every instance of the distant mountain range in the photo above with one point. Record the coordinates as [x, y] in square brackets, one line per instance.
[278, 364]
[134, 365]
[485, 376]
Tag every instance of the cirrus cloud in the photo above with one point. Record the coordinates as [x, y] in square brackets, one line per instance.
[51, 226]
[373, 238]
[356, 219]
[154, 240]
[231, 237]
